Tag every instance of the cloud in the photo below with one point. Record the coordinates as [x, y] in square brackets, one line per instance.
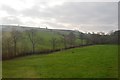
[86, 13]
[10, 20]
[9, 10]
[86, 16]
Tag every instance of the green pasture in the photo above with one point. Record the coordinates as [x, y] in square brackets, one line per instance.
[99, 61]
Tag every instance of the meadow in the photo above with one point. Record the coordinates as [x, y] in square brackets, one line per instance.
[98, 61]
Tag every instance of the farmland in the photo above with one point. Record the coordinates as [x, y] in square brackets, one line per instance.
[59, 39]
[99, 61]
[21, 40]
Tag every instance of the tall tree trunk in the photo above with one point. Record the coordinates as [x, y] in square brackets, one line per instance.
[15, 49]
[33, 51]
[65, 44]
[82, 42]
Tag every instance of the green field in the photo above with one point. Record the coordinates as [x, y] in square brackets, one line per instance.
[100, 61]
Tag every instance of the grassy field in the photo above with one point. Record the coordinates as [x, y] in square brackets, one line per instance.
[98, 61]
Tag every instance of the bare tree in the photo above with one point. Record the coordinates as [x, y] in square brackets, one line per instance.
[81, 37]
[71, 38]
[64, 40]
[53, 42]
[15, 35]
[6, 45]
[32, 37]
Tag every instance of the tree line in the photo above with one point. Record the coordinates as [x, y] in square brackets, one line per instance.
[14, 42]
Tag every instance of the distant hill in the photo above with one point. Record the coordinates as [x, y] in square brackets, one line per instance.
[24, 28]
[46, 39]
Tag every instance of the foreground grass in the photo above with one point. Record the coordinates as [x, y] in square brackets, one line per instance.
[89, 62]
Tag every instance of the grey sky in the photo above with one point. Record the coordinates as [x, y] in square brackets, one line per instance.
[83, 16]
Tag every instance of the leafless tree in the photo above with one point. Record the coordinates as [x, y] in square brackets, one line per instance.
[6, 44]
[81, 37]
[32, 37]
[71, 38]
[64, 40]
[15, 35]
[53, 42]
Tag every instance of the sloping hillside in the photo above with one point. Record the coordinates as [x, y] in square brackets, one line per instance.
[17, 40]
[89, 62]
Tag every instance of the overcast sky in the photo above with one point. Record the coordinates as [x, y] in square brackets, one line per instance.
[84, 16]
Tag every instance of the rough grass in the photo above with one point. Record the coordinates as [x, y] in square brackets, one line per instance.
[100, 61]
